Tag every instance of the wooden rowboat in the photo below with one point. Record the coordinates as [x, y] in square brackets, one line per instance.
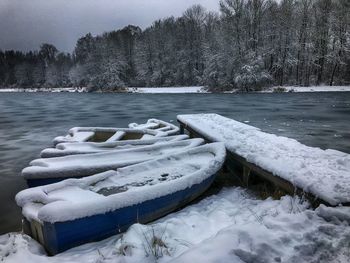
[50, 170]
[153, 127]
[64, 149]
[106, 134]
[76, 211]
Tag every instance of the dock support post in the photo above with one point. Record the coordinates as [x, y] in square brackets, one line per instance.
[182, 129]
[246, 174]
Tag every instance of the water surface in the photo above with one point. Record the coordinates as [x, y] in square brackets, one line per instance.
[29, 122]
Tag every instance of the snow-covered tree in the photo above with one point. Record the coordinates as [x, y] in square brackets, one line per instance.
[247, 45]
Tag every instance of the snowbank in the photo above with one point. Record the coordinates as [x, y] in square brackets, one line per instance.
[196, 89]
[82, 89]
[324, 173]
[191, 89]
[232, 226]
[309, 89]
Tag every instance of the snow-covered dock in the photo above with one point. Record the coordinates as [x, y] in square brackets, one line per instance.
[321, 175]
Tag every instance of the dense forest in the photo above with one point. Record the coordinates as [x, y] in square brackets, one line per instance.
[248, 45]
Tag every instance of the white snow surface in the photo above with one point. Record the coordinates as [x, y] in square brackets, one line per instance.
[88, 164]
[232, 226]
[311, 89]
[54, 90]
[195, 89]
[81, 134]
[158, 125]
[191, 89]
[324, 173]
[77, 198]
[63, 149]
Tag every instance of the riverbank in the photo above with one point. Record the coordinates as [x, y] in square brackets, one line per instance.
[183, 90]
[232, 226]
[53, 90]
[194, 89]
[309, 89]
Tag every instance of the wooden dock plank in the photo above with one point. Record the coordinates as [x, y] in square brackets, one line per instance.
[251, 170]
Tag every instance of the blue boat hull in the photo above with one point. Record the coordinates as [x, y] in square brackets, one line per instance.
[60, 236]
[45, 181]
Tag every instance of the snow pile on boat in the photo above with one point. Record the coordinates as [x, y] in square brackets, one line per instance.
[232, 226]
[157, 125]
[88, 164]
[63, 149]
[100, 134]
[153, 127]
[324, 173]
[74, 135]
[111, 190]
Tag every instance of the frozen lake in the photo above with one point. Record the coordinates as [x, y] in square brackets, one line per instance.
[29, 122]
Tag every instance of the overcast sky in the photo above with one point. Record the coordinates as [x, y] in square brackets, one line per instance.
[25, 24]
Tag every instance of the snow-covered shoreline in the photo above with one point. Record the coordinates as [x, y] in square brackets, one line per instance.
[308, 89]
[231, 226]
[53, 90]
[194, 89]
[183, 90]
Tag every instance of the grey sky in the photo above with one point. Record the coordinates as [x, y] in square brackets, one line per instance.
[25, 24]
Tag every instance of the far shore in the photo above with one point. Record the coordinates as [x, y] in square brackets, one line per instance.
[179, 90]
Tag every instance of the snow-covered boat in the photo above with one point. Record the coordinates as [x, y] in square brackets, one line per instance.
[51, 170]
[64, 149]
[106, 134]
[157, 125]
[153, 127]
[77, 211]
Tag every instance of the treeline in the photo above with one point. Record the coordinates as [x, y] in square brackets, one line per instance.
[250, 44]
